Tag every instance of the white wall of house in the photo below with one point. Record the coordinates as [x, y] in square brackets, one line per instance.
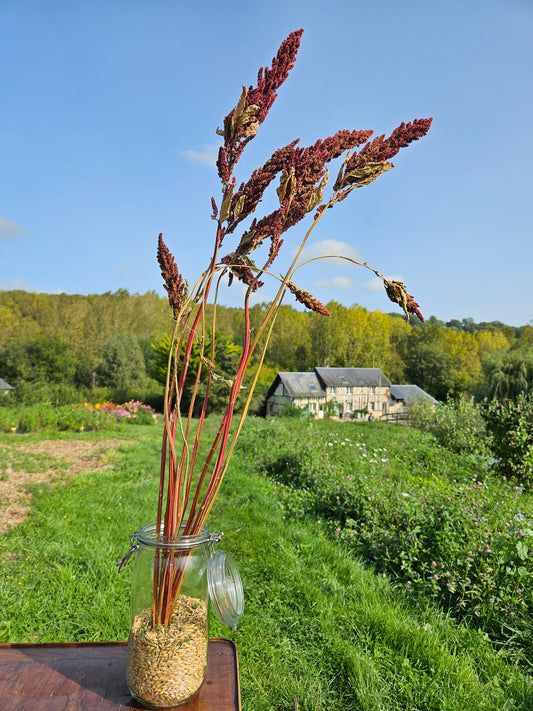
[350, 400]
[280, 398]
[346, 400]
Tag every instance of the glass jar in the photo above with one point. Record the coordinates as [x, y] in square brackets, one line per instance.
[172, 583]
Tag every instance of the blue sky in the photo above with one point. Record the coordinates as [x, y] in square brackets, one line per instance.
[108, 137]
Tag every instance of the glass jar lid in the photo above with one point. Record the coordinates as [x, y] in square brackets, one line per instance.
[225, 588]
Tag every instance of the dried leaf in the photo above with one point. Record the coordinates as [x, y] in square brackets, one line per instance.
[238, 207]
[237, 111]
[397, 293]
[244, 117]
[317, 197]
[249, 263]
[223, 380]
[366, 175]
[247, 242]
[247, 119]
[252, 128]
[287, 185]
[226, 204]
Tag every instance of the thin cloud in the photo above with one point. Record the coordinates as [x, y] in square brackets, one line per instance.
[377, 285]
[342, 283]
[124, 270]
[17, 284]
[207, 156]
[10, 230]
[331, 247]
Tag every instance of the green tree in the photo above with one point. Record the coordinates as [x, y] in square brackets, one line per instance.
[122, 366]
[429, 367]
[426, 362]
[43, 359]
[289, 348]
[509, 373]
[463, 349]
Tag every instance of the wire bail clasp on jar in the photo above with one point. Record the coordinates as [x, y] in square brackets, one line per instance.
[214, 540]
[134, 537]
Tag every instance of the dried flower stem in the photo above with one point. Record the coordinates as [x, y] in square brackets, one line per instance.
[186, 496]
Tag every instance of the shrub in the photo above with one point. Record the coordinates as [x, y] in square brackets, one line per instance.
[122, 366]
[33, 393]
[296, 413]
[511, 426]
[457, 425]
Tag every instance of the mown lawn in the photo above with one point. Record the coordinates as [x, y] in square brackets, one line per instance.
[321, 624]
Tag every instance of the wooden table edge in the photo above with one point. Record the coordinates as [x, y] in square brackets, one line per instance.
[64, 645]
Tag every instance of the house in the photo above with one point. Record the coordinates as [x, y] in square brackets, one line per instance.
[5, 387]
[404, 395]
[345, 392]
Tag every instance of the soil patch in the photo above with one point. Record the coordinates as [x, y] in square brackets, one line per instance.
[43, 462]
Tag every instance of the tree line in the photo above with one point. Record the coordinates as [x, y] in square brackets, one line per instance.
[115, 340]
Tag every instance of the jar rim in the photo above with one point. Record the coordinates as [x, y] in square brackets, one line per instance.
[148, 536]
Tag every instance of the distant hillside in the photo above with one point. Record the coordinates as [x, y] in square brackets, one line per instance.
[441, 358]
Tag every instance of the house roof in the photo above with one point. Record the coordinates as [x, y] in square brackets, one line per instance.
[301, 384]
[314, 384]
[4, 385]
[356, 377]
[410, 394]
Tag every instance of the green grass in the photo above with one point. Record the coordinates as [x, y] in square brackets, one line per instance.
[440, 525]
[318, 625]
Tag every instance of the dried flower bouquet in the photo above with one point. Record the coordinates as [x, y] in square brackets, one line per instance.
[188, 487]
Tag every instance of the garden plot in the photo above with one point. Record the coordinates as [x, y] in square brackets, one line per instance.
[45, 462]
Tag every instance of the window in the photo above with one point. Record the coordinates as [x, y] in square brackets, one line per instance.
[312, 406]
[349, 389]
[371, 406]
[333, 390]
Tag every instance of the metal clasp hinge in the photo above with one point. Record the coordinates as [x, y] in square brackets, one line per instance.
[214, 539]
[134, 548]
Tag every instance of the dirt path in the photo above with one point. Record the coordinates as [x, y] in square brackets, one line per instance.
[42, 463]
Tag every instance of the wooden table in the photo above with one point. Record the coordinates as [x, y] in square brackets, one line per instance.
[92, 677]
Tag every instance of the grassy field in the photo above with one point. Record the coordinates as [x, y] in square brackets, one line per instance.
[325, 622]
